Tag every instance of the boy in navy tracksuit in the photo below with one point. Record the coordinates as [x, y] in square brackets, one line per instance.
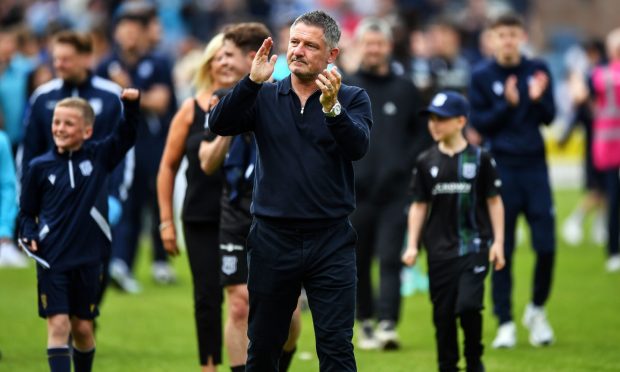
[71, 52]
[456, 199]
[511, 97]
[62, 219]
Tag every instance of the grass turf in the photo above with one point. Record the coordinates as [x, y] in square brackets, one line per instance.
[154, 331]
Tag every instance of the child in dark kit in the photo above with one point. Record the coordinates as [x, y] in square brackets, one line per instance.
[456, 199]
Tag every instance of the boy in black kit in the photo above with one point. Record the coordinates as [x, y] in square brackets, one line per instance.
[63, 204]
[456, 198]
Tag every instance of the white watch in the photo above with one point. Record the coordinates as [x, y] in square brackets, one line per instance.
[335, 111]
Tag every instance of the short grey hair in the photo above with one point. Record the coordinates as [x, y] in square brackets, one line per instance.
[318, 18]
[373, 24]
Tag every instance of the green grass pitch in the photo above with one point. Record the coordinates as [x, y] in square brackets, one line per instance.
[155, 330]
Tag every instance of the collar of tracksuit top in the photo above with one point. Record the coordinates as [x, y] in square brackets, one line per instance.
[513, 133]
[304, 169]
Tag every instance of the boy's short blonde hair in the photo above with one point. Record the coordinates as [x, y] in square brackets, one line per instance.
[81, 105]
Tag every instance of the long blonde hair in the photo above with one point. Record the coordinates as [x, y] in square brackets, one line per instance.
[203, 79]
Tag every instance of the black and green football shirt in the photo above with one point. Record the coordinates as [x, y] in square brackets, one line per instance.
[456, 189]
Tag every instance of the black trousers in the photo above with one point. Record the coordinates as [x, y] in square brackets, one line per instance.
[280, 260]
[381, 230]
[457, 292]
[203, 251]
[142, 196]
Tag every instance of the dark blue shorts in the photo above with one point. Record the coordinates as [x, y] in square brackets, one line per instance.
[73, 292]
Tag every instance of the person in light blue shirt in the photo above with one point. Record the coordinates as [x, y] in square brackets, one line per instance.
[14, 70]
[8, 199]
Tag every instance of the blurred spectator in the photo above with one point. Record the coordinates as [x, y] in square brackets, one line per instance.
[11, 12]
[605, 94]
[205, 17]
[9, 254]
[39, 14]
[444, 67]
[27, 44]
[472, 21]
[14, 70]
[37, 77]
[101, 43]
[381, 179]
[133, 64]
[281, 69]
[580, 62]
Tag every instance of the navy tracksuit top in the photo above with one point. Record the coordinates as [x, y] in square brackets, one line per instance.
[304, 169]
[63, 197]
[513, 133]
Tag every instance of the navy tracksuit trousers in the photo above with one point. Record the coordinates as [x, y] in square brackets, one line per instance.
[526, 189]
[142, 195]
[282, 258]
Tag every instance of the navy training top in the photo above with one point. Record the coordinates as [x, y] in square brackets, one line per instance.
[513, 132]
[61, 204]
[304, 168]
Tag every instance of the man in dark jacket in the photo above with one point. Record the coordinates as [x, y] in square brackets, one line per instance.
[309, 128]
[381, 180]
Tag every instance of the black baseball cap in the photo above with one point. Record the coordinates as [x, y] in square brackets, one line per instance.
[447, 104]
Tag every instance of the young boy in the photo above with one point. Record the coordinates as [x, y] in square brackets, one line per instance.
[63, 204]
[456, 197]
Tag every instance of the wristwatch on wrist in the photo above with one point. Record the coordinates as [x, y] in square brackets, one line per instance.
[335, 111]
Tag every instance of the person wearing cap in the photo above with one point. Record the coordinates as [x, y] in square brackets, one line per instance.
[458, 215]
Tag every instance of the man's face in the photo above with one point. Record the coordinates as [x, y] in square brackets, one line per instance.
[507, 41]
[445, 41]
[154, 30]
[375, 49]
[131, 35]
[230, 64]
[69, 129]
[307, 53]
[8, 46]
[68, 63]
